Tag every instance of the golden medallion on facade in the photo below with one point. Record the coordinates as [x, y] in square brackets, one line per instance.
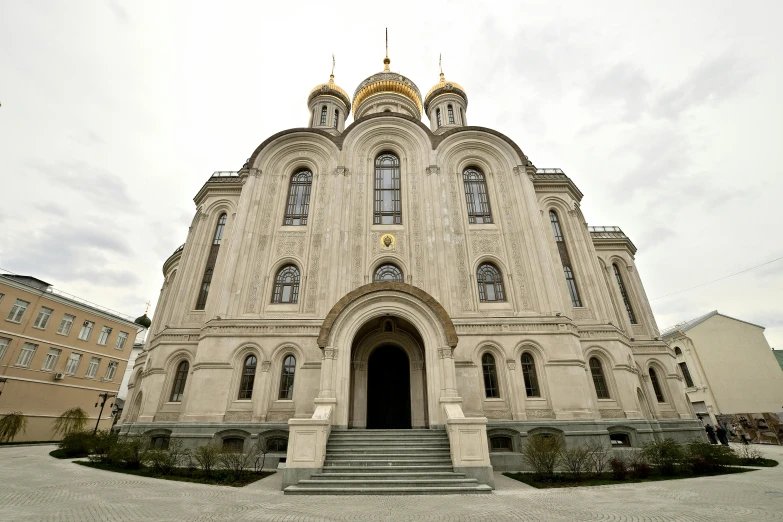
[387, 242]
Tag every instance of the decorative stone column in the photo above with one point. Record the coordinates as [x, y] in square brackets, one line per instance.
[327, 373]
[448, 372]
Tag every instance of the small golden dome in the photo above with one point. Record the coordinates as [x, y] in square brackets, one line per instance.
[331, 89]
[443, 87]
[387, 81]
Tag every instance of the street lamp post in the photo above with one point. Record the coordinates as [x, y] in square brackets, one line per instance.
[104, 397]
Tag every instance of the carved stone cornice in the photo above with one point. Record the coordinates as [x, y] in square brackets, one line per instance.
[433, 169]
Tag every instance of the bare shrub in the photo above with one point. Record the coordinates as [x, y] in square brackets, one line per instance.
[11, 425]
[665, 454]
[132, 451]
[235, 462]
[619, 468]
[164, 461]
[542, 453]
[749, 454]
[575, 460]
[207, 457]
[70, 421]
[600, 454]
[640, 467]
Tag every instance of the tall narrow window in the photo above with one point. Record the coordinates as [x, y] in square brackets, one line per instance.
[656, 386]
[180, 378]
[529, 375]
[387, 273]
[287, 378]
[111, 369]
[121, 338]
[461, 117]
[66, 324]
[72, 365]
[104, 337]
[286, 286]
[4, 342]
[26, 354]
[336, 118]
[86, 330]
[298, 198]
[624, 294]
[573, 291]
[51, 359]
[248, 376]
[490, 283]
[92, 368]
[17, 311]
[686, 375]
[206, 282]
[450, 111]
[43, 318]
[599, 381]
[388, 204]
[437, 117]
[476, 196]
[323, 115]
[491, 390]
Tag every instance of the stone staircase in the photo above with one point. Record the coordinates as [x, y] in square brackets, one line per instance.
[387, 462]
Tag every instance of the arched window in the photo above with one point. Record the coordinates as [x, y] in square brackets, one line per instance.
[298, 198]
[323, 115]
[686, 375]
[206, 281]
[437, 117]
[599, 381]
[677, 351]
[336, 118]
[312, 122]
[490, 283]
[461, 116]
[277, 444]
[476, 196]
[233, 444]
[178, 389]
[656, 386]
[248, 376]
[500, 443]
[388, 200]
[286, 285]
[491, 390]
[450, 111]
[565, 260]
[387, 273]
[624, 294]
[529, 375]
[287, 378]
[160, 442]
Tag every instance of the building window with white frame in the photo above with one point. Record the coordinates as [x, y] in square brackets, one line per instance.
[51, 359]
[92, 369]
[66, 324]
[1, 297]
[43, 318]
[17, 311]
[121, 338]
[26, 355]
[104, 337]
[73, 363]
[86, 330]
[110, 371]
[4, 342]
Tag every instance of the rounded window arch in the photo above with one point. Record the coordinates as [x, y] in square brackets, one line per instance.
[298, 204]
[450, 112]
[490, 283]
[476, 196]
[248, 377]
[491, 387]
[287, 373]
[437, 117]
[677, 351]
[659, 395]
[530, 375]
[387, 273]
[599, 379]
[286, 285]
[323, 115]
[180, 378]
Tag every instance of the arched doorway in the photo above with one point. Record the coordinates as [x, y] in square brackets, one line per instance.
[388, 389]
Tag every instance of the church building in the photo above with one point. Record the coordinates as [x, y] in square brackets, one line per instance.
[389, 302]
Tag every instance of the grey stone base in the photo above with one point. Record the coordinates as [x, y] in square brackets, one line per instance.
[292, 476]
[577, 432]
[484, 474]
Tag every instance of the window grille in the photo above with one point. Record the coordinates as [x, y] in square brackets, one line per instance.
[180, 378]
[323, 115]
[476, 196]
[437, 117]
[565, 260]
[388, 204]
[490, 283]
[491, 390]
[336, 118]
[450, 111]
[248, 376]
[388, 273]
[599, 381]
[656, 386]
[286, 286]
[529, 375]
[298, 198]
[209, 270]
[287, 378]
[686, 375]
[624, 294]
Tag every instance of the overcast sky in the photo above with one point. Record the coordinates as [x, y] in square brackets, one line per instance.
[667, 115]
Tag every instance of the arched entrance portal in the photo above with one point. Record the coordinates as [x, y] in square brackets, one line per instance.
[388, 389]
[388, 376]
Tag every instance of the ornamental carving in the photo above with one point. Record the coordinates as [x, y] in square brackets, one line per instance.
[291, 244]
[196, 317]
[612, 414]
[433, 169]
[583, 314]
[317, 241]
[358, 231]
[396, 242]
[359, 366]
[514, 238]
[167, 416]
[485, 242]
[669, 415]
[279, 416]
[330, 353]
[540, 414]
[238, 416]
[264, 221]
[265, 366]
[498, 414]
[458, 243]
[445, 352]
[417, 365]
[418, 254]
[511, 363]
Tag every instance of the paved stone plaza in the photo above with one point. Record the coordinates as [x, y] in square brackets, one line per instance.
[35, 486]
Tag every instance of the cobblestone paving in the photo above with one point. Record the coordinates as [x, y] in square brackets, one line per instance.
[35, 486]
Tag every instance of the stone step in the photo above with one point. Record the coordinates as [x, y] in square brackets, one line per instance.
[390, 432]
[406, 443]
[410, 468]
[393, 473]
[391, 482]
[385, 461]
[388, 451]
[384, 490]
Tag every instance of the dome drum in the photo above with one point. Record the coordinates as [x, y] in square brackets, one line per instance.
[392, 85]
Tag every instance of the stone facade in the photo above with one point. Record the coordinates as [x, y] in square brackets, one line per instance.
[435, 314]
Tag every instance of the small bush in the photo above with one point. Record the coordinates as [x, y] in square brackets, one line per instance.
[575, 460]
[77, 444]
[235, 462]
[640, 467]
[71, 421]
[542, 454]
[664, 454]
[131, 451]
[703, 457]
[164, 461]
[749, 456]
[207, 457]
[11, 425]
[599, 457]
[103, 445]
[619, 468]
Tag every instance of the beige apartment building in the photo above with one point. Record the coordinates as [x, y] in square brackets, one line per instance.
[731, 375]
[57, 352]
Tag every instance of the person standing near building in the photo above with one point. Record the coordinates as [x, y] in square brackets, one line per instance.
[711, 434]
[722, 435]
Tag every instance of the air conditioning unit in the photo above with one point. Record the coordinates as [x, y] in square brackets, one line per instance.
[58, 376]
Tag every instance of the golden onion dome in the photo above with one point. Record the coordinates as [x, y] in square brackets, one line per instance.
[387, 81]
[331, 89]
[444, 87]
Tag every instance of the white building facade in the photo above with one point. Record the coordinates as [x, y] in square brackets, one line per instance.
[393, 275]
